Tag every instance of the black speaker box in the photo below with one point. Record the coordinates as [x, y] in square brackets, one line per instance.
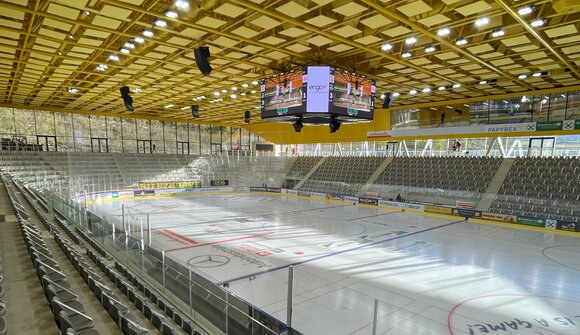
[247, 116]
[202, 60]
[127, 100]
[195, 110]
[388, 100]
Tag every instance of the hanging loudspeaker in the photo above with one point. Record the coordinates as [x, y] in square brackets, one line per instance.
[388, 100]
[127, 100]
[202, 60]
[247, 116]
[195, 110]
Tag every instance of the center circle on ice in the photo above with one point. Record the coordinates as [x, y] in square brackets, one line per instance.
[322, 225]
[564, 255]
[515, 314]
[208, 261]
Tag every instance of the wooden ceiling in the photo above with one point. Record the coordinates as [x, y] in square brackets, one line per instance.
[49, 48]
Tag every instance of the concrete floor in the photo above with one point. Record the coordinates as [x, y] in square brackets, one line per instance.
[426, 274]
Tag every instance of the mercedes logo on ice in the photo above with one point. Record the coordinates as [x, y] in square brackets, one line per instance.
[208, 261]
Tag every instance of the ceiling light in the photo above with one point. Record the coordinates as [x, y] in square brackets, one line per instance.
[443, 32]
[59, 53]
[483, 82]
[87, 13]
[482, 21]
[125, 51]
[171, 14]
[139, 40]
[224, 91]
[202, 97]
[73, 90]
[234, 88]
[537, 74]
[160, 23]
[441, 88]
[406, 54]
[169, 106]
[182, 4]
[102, 67]
[411, 40]
[71, 37]
[253, 91]
[233, 96]
[525, 99]
[430, 48]
[433, 108]
[456, 85]
[383, 96]
[525, 10]
[461, 41]
[412, 92]
[497, 32]
[396, 94]
[243, 93]
[426, 90]
[114, 57]
[137, 90]
[244, 85]
[386, 47]
[147, 33]
[522, 76]
[129, 45]
[538, 23]
[185, 107]
[216, 93]
[255, 82]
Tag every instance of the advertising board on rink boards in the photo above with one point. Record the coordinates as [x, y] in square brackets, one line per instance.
[402, 205]
[499, 217]
[438, 209]
[169, 184]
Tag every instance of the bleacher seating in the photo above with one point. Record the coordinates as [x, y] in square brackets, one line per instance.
[342, 175]
[541, 187]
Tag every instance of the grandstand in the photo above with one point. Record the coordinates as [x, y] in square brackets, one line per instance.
[233, 167]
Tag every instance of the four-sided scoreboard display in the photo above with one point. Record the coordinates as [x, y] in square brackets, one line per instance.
[318, 92]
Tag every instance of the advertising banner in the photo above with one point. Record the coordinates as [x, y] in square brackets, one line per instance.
[499, 217]
[466, 213]
[577, 124]
[169, 184]
[164, 192]
[258, 189]
[115, 194]
[304, 194]
[464, 204]
[219, 182]
[144, 193]
[402, 205]
[549, 125]
[240, 189]
[437, 209]
[531, 221]
[551, 224]
[568, 226]
[318, 195]
[351, 199]
[378, 133]
[368, 201]
[331, 196]
[274, 189]
[294, 192]
[126, 194]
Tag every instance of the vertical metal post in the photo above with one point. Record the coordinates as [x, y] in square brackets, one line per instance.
[375, 316]
[290, 294]
[163, 268]
[190, 294]
[226, 313]
[149, 229]
[142, 236]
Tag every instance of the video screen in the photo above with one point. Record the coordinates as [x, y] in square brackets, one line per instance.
[283, 94]
[353, 94]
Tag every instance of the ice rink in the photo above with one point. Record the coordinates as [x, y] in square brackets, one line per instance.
[429, 274]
